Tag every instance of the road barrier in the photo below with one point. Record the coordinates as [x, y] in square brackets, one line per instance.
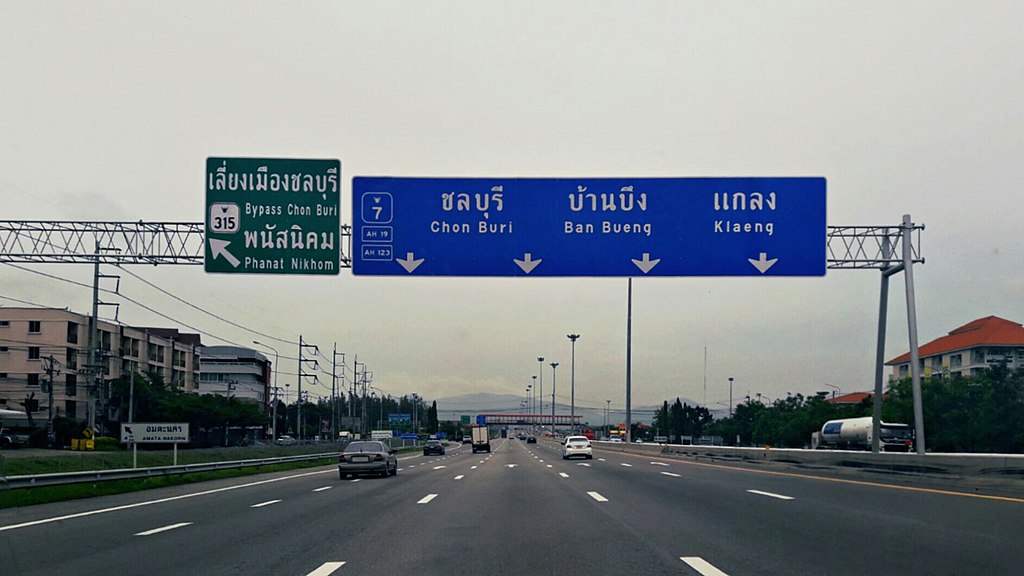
[1002, 466]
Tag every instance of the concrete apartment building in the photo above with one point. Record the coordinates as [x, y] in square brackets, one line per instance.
[235, 371]
[967, 350]
[30, 336]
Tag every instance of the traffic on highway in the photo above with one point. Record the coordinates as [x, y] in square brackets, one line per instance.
[509, 512]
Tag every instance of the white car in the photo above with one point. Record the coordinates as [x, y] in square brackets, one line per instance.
[577, 446]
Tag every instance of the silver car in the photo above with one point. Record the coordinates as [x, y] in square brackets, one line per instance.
[367, 457]
[577, 446]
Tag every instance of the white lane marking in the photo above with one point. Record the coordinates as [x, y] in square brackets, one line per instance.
[597, 497]
[770, 495]
[601, 460]
[164, 529]
[583, 464]
[541, 461]
[701, 565]
[472, 467]
[160, 501]
[627, 465]
[324, 488]
[563, 474]
[550, 466]
[326, 569]
[670, 474]
[511, 465]
[459, 477]
[481, 461]
[426, 499]
[400, 469]
[356, 479]
[439, 467]
[262, 504]
[658, 464]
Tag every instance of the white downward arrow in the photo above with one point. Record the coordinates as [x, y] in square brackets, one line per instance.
[646, 265]
[410, 263]
[527, 264]
[763, 264]
[220, 248]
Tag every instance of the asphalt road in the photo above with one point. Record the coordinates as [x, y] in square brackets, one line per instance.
[522, 511]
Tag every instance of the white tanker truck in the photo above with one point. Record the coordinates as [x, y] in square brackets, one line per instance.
[855, 433]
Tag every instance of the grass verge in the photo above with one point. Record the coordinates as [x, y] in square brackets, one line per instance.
[47, 494]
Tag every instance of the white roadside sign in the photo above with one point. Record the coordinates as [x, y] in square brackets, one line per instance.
[380, 434]
[154, 433]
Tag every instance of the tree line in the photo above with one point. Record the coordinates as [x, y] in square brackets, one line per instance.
[983, 413]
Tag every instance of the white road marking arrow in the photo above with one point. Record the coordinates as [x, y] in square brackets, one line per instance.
[527, 264]
[646, 264]
[410, 263]
[220, 248]
[763, 264]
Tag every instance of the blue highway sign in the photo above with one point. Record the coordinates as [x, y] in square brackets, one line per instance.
[589, 226]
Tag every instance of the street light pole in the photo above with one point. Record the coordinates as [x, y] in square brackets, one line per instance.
[607, 406]
[273, 426]
[533, 405]
[554, 385]
[572, 381]
[540, 371]
[730, 397]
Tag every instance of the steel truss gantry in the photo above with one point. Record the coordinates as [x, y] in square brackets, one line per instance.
[890, 249]
[65, 242]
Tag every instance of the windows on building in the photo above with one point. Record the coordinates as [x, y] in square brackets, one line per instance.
[33, 379]
[35, 327]
[33, 352]
[72, 333]
[956, 361]
[71, 385]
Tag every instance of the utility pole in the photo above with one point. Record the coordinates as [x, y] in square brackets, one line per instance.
[302, 347]
[572, 381]
[51, 368]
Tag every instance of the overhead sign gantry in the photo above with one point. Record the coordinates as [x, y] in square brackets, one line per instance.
[589, 227]
[273, 216]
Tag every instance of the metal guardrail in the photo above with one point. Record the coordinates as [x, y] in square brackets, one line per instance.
[64, 478]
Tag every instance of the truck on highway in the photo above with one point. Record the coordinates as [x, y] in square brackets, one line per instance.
[481, 439]
[856, 434]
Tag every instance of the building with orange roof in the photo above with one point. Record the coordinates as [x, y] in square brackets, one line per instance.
[968, 350]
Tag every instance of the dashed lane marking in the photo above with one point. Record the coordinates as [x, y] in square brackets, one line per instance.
[658, 464]
[627, 465]
[670, 474]
[426, 499]
[771, 495]
[322, 489]
[597, 497]
[563, 474]
[326, 569]
[163, 529]
[459, 477]
[262, 504]
[701, 565]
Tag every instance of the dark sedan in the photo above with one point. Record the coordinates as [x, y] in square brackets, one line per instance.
[433, 447]
[367, 457]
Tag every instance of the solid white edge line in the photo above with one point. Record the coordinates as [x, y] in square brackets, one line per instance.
[701, 565]
[426, 499]
[771, 495]
[159, 501]
[262, 504]
[597, 496]
[163, 529]
[326, 569]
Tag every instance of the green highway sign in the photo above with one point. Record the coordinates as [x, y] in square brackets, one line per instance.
[464, 420]
[273, 216]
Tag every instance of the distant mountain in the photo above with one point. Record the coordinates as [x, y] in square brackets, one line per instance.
[453, 407]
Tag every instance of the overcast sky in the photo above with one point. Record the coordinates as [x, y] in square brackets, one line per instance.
[108, 111]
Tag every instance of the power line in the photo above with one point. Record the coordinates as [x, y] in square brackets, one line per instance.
[211, 314]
